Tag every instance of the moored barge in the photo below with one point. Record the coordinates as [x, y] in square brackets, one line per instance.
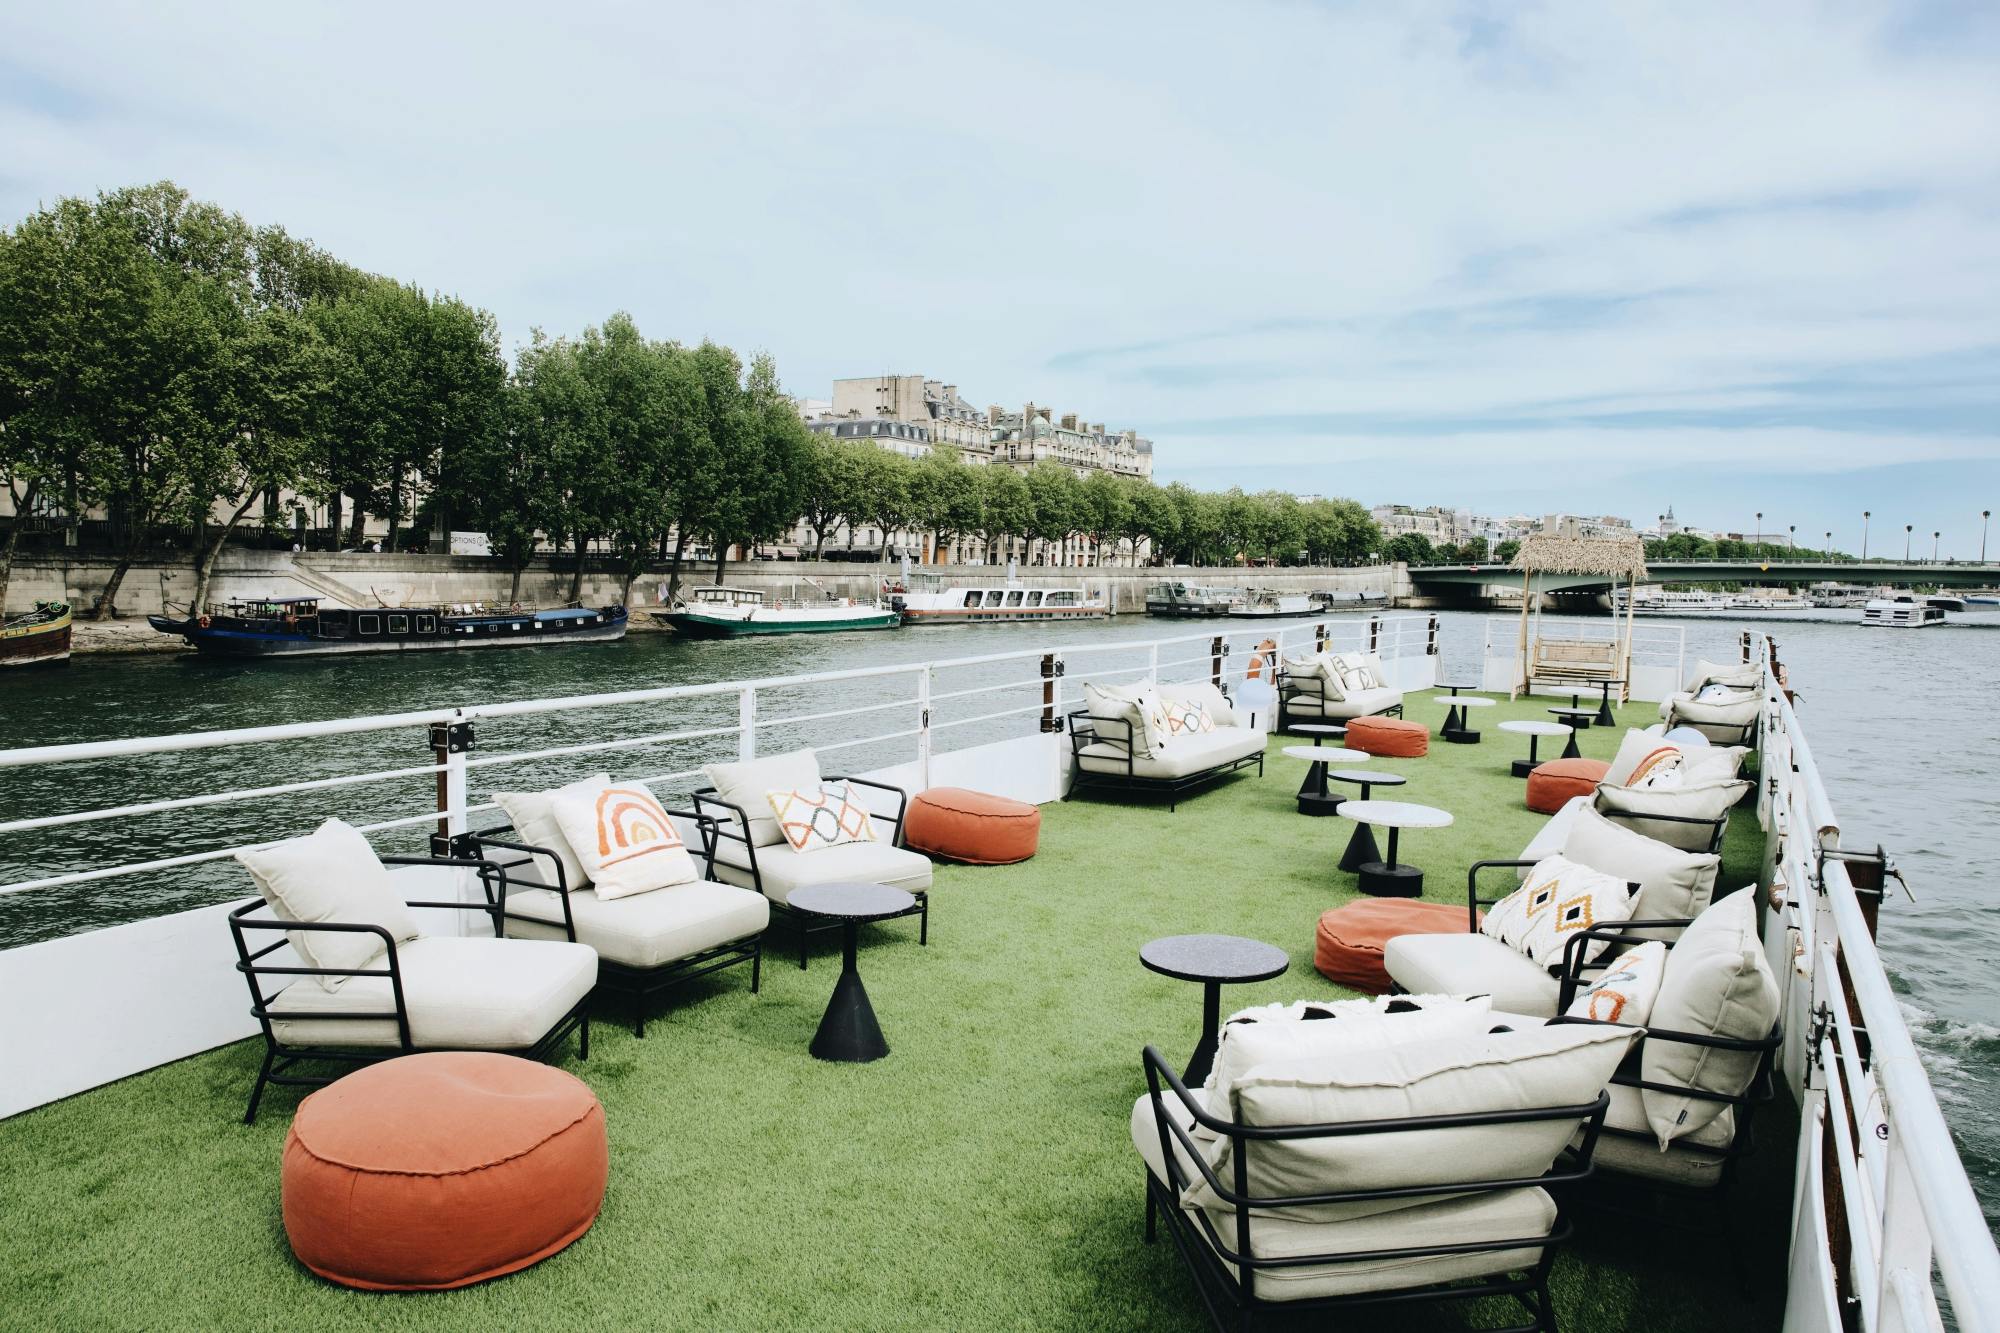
[301, 626]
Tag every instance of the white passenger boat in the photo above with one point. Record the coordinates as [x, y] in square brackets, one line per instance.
[1268, 604]
[1902, 613]
[929, 601]
[729, 613]
[1177, 599]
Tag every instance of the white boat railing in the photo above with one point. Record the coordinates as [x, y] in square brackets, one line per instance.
[914, 706]
[1880, 1193]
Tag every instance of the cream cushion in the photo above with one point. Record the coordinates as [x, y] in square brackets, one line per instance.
[1502, 1215]
[1710, 800]
[1332, 1030]
[1720, 722]
[646, 930]
[744, 783]
[1558, 899]
[1363, 703]
[1719, 984]
[825, 815]
[623, 838]
[1190, 754]
[1703, 763]
[1624, 992]
[1724, 673]
[331, 874]
[460, 993]
[1674, 885]
[1470, 964]
[1548, 839]
[785, 871]
[1203, 693]
[534, 821]
[1521, 1069]
[1317, 667]
[1696, 1159]
[1138, 707]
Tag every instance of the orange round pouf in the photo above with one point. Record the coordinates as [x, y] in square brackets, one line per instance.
[1551, 785]
[1389, 736]
[972, 826]
[1347, 948]
[440, 1170]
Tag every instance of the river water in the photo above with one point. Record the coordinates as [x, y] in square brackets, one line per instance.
[1902, 723]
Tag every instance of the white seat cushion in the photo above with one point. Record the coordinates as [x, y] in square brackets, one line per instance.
[785, 871]
[745, 783]
[1204, 693]
[645, 930]
[1694, 1160]
[461, 993]
[1501, 1216]
[1471, 965]
[1358, 703]
[1186, 756]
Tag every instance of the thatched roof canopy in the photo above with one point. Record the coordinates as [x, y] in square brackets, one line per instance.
[1617, 557]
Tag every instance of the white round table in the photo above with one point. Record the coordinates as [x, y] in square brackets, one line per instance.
[1314, 798]
[1534, 731]
[1457, 724]
[1388, 878]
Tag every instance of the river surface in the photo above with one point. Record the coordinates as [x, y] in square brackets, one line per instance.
[1903, 725]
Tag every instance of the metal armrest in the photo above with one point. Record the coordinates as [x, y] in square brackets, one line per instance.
[902, 800]
[1615, 932]
[1473, 902]
[735, 829]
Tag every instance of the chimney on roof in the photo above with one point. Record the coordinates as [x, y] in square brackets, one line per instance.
[993, 414]
[1069, 421]
[1041, 412]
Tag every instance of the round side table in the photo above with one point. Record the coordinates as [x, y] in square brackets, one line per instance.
[1390, 878]
[1314, 799]
[1534, 731]
[1214, 961]
[1604, 715]
[1578, 719]
[1361, 847]
[848, 1030]
[1458, 718]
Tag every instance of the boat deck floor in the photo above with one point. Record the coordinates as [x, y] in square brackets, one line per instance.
[981, 1176]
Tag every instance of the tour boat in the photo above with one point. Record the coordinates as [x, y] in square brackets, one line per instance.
[929, 602]
[1190, 601]
[1902, 613]
[37, 636]
[1268, 604]
[727, 613]
[300, 626]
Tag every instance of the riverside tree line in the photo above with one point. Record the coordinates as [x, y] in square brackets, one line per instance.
[169, 361]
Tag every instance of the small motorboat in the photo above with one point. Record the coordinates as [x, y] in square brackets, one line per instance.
[36, 637]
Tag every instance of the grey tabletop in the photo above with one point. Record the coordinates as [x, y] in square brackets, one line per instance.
[1214, 958]
[1319, 729]
[852, 902]
[1363, 775]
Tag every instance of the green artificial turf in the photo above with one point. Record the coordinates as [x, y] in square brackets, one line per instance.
[982, 1176]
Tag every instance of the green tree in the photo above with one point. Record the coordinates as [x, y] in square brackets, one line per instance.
[770, 469]
[1505, 552]
[1104, 510]
[1056, 505]
[1006, 508]
[885, 498]
[1411, 548]
[944, 495]
[557, 420]
[1148, 517]
[507, 473]
[832, 497]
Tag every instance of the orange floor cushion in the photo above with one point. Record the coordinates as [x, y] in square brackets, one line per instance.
[1390, 736]
[440, 1170]
[1552, 784]
[1348, 945]
[972, 826]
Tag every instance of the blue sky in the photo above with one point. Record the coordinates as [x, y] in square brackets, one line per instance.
[1525, 257]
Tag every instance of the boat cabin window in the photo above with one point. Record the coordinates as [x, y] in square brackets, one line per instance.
[427, 624]
[368, 624]
[399, 624]
[974, 598]
[1062, 599]
[1014, 597]
[1035, 598]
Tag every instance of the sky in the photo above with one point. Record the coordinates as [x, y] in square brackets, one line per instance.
[1523, 257]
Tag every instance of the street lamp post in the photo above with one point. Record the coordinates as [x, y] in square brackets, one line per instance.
[1908, 528]
[1760, 528]
[1864, 534]
[1934, 546]
[1826, 551]
[1792, 537]
[1984, 514]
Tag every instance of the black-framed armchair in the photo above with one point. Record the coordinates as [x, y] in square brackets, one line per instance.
[430, 993]
[646, 943]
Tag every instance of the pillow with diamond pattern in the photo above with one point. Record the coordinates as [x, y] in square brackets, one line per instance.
[1558, 899]
[1185, 717]
[813, 818]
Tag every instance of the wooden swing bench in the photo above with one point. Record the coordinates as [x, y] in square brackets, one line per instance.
[1574, 662]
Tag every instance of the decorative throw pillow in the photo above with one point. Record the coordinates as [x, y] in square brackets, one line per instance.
[331, 874]
[1704, 801]
[1378, 676]
[1717, 983]
[625, 841]
[743, 784]
[1352, 673]
[1625, 991]
[1332, 1030]
[1185, 718]
[1212, 700]
[534, 822]
[1674, 885]
[1653, 766]
[1558, 899]
[826, 815]
[1138, 706]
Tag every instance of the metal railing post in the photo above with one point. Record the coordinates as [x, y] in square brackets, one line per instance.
[450, 743]
[924, 679]
[1431, 639]
[1319, 637]
[746, 722]
[1374, 633]
[1217, 650]
[1051, 668]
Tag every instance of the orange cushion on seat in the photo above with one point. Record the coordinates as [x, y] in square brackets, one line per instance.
[1551, 785]
[1348, 945]
[972, 826]
[1391, 736]
[440, 1170]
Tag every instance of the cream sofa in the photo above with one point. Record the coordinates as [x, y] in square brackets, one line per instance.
[1110, 748]
[1311, 689]
[1730, 718]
